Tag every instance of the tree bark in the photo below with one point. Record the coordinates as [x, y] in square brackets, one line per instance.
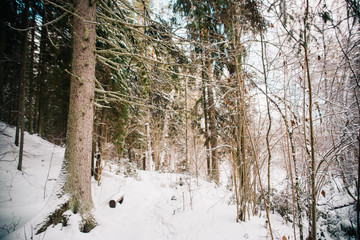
[358, 194]
[76, 170]
[212, 126]
[240, 136]
[81, 111]
[93, 153]
[289, 131]
[39, 100]
[2, 62]
[207, 141]
[21, 113]
[101, 145]
[31, 78]
[313, 163]
[269, 117]
[188, 165]
[163, 151]
[257, 169]
[149, 163]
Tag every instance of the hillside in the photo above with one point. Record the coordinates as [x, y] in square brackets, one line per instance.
[156, 205]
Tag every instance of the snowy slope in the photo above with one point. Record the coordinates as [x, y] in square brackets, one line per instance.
[156, 205]
[22, 194]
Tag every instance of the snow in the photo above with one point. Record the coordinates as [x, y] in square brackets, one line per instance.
[156, 205]
[22, 193]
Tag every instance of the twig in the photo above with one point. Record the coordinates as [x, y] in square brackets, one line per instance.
[216, 203]
[11, 227]
[47, 177]
[39, 26]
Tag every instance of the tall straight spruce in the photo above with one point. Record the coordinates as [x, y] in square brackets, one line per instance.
[81, 113]
[75, 177]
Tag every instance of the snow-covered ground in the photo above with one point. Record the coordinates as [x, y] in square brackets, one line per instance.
[156, 205]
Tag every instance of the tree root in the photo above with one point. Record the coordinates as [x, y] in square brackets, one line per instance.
[55, 218]
[88, 224]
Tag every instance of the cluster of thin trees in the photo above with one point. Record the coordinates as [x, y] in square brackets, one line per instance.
[221, 87]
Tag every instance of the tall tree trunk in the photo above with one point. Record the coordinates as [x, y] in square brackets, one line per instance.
[76, 169]
[81, 110]
[31, 78]
[287, 147]
[36, 107]
[243, 167]
[40, 100]
[188, 165]
[196, 159]
[269, 117]
[313, 163]
[358, 194]
[17, 130]
[149, 163]
[93, 153]
[163, 151]
[2, 63]
[297, 184]
[101, 145]
[289, 131]
[21, 116]
[261, 187]
[235, 165]
[207, 139]
[212, 125]
[42, 106]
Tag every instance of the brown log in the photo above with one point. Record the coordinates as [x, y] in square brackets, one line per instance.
[112, 202]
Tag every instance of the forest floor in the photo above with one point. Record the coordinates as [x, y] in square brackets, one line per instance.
[156, 205]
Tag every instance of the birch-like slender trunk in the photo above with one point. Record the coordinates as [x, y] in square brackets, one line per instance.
[257, 169]
[312, 147]
[187, 163]
[287, 150]
[289, 131]
[149, 165]
[163, 151]
[269, 117]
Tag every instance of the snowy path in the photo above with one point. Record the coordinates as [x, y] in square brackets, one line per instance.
[140, 216]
